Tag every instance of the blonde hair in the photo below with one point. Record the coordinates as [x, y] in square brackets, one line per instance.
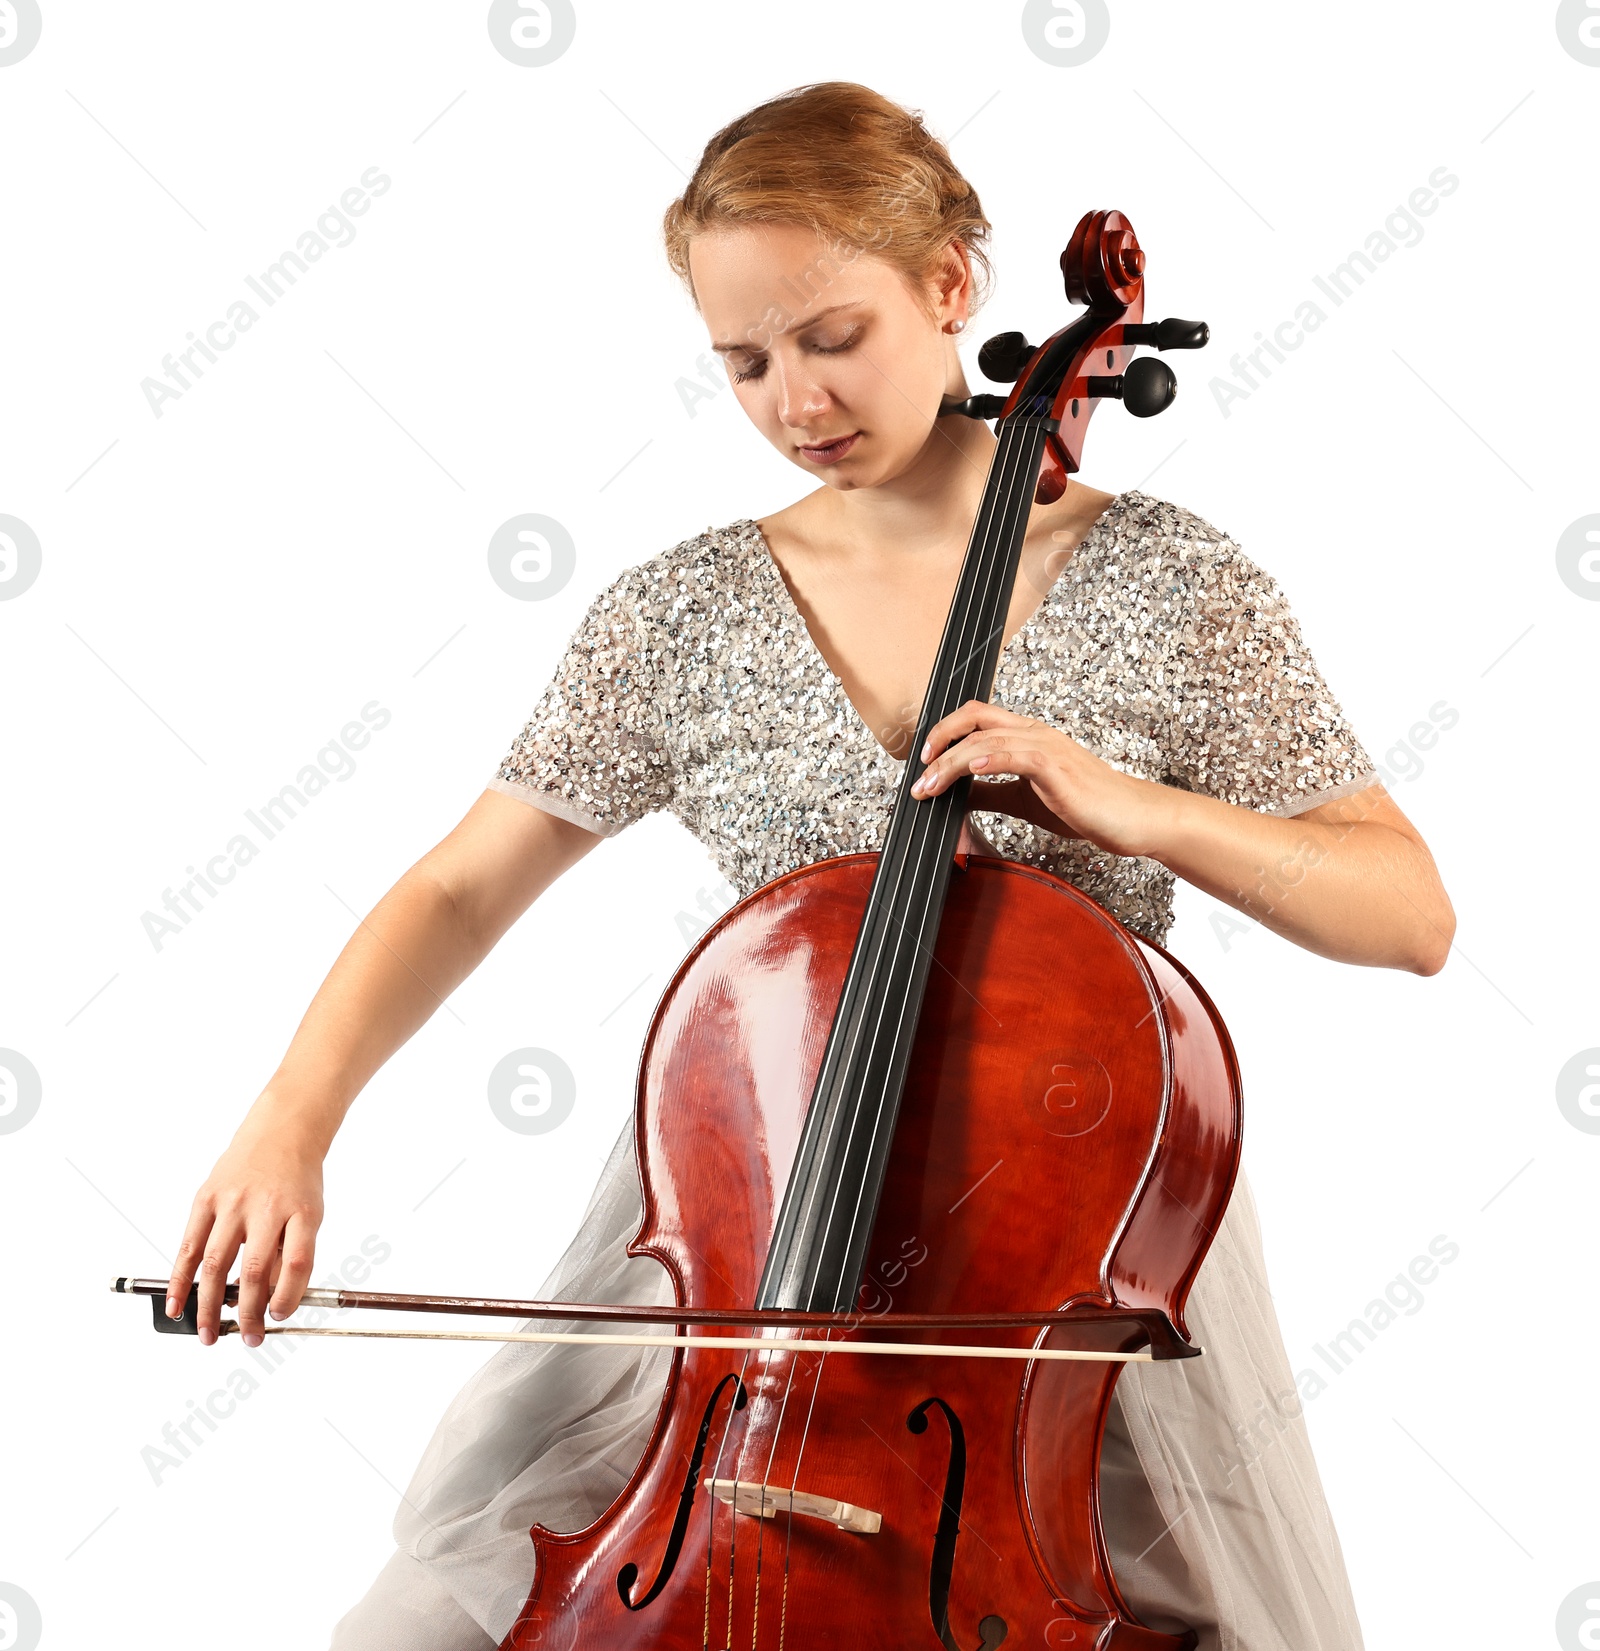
[843, 160]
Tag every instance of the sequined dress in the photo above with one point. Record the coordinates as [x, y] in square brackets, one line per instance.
[692, 684]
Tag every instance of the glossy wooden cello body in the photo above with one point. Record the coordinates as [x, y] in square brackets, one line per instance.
[907, 1083]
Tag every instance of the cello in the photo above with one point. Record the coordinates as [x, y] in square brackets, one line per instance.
[888, 1099]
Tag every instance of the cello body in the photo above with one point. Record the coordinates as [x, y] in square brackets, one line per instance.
[1068, 1137]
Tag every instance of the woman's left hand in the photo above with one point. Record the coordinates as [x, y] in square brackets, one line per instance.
[1060, 786]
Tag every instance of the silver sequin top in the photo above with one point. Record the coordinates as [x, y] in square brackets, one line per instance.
[692, 684]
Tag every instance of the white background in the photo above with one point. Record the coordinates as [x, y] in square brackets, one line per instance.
[304, 531]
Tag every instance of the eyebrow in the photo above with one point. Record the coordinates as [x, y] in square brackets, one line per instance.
[811, 320]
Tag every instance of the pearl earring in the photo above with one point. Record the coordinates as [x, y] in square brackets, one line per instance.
[957, 325]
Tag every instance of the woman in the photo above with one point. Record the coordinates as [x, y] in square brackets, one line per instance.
[1155, 713]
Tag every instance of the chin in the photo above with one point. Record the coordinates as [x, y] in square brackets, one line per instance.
[851, 474]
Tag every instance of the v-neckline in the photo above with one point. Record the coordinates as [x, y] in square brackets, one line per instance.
[786, 600]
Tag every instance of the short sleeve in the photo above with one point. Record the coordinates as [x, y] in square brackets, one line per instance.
[593, 751]
[1252, 720]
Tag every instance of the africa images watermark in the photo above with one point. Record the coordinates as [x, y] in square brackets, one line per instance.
[1402, 1297]
[1401, 762]
[799, 291]
[21, 1621]
[21, 24]
[20, 561]
[711, 904]
[531, 33]
[335, 761]
[181, 1438]
[532, 1091]
[1402, 228]
[21, 1090]
[333, 229]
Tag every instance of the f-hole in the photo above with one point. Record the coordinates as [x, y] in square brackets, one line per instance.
[629, 1574]
[941, 1568]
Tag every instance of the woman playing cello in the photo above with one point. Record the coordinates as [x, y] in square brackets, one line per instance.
[1155, 714]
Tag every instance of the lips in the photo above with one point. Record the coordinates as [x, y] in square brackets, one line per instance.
[830, 452]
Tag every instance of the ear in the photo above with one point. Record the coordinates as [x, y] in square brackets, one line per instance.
[950, 285]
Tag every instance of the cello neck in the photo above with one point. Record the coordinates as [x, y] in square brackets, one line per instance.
[819, 1246]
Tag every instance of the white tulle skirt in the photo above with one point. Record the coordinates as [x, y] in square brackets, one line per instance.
[1214, 1513]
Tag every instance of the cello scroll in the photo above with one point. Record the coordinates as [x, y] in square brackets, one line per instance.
[1091, 359]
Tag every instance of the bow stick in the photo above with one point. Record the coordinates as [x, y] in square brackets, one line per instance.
[1155, 1329]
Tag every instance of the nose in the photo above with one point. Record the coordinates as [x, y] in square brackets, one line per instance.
[801, 400]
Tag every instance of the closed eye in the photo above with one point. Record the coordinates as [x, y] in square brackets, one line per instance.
[758, 364]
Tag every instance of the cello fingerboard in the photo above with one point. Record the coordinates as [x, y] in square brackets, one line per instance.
[824, 1227]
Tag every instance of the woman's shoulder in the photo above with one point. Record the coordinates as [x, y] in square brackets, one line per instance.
[1172, 532]
[1196, 562]
[691, 572]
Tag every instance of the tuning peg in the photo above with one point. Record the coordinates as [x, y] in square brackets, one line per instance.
[986, 406]
[1171, 334]
[1003, 357]
[1145, 389]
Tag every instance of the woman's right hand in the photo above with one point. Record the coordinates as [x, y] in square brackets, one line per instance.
[263, 1203]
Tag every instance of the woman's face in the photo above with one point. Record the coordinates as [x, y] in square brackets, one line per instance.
[827, 347]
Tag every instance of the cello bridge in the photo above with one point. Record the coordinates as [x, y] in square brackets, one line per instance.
[771, 1501]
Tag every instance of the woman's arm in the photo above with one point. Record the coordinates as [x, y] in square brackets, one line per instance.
[1351, 879]
[263, 1200]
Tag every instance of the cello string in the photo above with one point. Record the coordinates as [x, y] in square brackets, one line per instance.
[733, 1552]
[738, 1479]
[976, 618]
[788, 1532]
[711, 1501]
[904, 852]
[705, 1630]
[915, 866]
[908, 851]
[766, 1480]
[978, 614]
[1010, 460]
[1016, 471]
[733, 1512]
